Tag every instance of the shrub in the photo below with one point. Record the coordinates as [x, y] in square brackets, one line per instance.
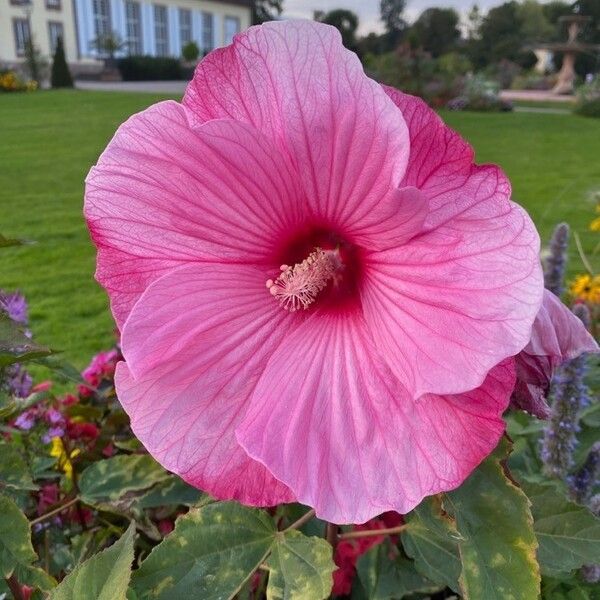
[190, 52]
[61, 76]
[480, 94]
[11, 82]
[147, 68]
[588, 99]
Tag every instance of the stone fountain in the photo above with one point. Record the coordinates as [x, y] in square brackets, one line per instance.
[570, 49]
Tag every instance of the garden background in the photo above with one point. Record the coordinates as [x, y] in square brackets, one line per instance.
[73, 477]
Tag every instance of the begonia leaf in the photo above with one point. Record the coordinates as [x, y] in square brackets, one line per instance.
[213, 550]
[300, 567]
[104, 576]
[15, 538]
[431, 540]
[110, 479]
[568, 534]
[498, 545]
[14, 471]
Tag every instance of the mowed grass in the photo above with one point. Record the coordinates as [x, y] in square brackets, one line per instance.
[49, 140]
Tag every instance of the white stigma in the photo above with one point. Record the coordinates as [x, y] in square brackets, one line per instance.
[298, 286]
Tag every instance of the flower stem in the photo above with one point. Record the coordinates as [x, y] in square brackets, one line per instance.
[331, 534]
[55, 511]
[372, 532]
[303, 519]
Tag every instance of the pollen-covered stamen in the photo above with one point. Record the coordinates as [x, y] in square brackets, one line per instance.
[298, 286]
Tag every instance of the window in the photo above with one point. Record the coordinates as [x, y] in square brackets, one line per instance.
[232, 26]
[185, 26]
[161, 30]
[133, 26]
[21, 29]
[101, 10]
[20, 2]
[207, 32]
[53, 4]
[55, 31]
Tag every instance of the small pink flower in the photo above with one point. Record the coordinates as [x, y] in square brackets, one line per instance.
[319, 293]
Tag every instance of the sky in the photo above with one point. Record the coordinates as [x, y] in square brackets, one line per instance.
[368, 10]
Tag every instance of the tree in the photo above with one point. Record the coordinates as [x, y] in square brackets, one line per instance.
[266, 10]
[535, 26]
[474, 19]
[500, 34]
[60, 76]
[437, 30]
[345, 21]
[391, 14]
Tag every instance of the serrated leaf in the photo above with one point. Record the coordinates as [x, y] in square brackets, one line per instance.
[171, 492]
[104, 576]
[431, 540]
[498, 549]
[300, 567]
[568, 534]
[112, 478]
[14, 471]
[15, 538]
[212, 550]
[385, 578]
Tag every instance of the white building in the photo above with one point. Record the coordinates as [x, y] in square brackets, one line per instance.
[154, 27]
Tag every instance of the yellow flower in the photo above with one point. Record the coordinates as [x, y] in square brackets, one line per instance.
[58, 450]
[586, 287]
[595, 224]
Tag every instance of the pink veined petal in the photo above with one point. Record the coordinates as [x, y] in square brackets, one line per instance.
[196, 343]
[351, 441]
[459, 298]
[165, 193]
[557, 336]
[399, 217]
[295, 82]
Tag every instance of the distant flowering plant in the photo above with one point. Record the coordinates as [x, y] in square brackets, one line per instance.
[321, 296]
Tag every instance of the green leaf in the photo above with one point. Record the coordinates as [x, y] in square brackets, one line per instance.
[568, 534]
[15, 346]
[14, 472]
[15, 538]
[104, 576]
[212, 551]
[110, 479]
[34, 577]
[498, 549]
[385, 578]
[171, 492]
[431, 540]
[300, 567]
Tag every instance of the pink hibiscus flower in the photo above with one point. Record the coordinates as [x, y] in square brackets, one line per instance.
[319, 293]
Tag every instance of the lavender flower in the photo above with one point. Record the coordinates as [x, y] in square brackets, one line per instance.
[15, 306]
[568, 395]
[554, 272]
[584, 481]
[14, 379]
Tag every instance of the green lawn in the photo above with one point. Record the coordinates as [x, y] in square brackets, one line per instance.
[48, 141]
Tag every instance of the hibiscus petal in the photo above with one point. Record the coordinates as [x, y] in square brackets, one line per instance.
[165, 193]
[296, 82]
[399, 217]
[557, 336]
[351, 441]
[196, 343]
[459, 298]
